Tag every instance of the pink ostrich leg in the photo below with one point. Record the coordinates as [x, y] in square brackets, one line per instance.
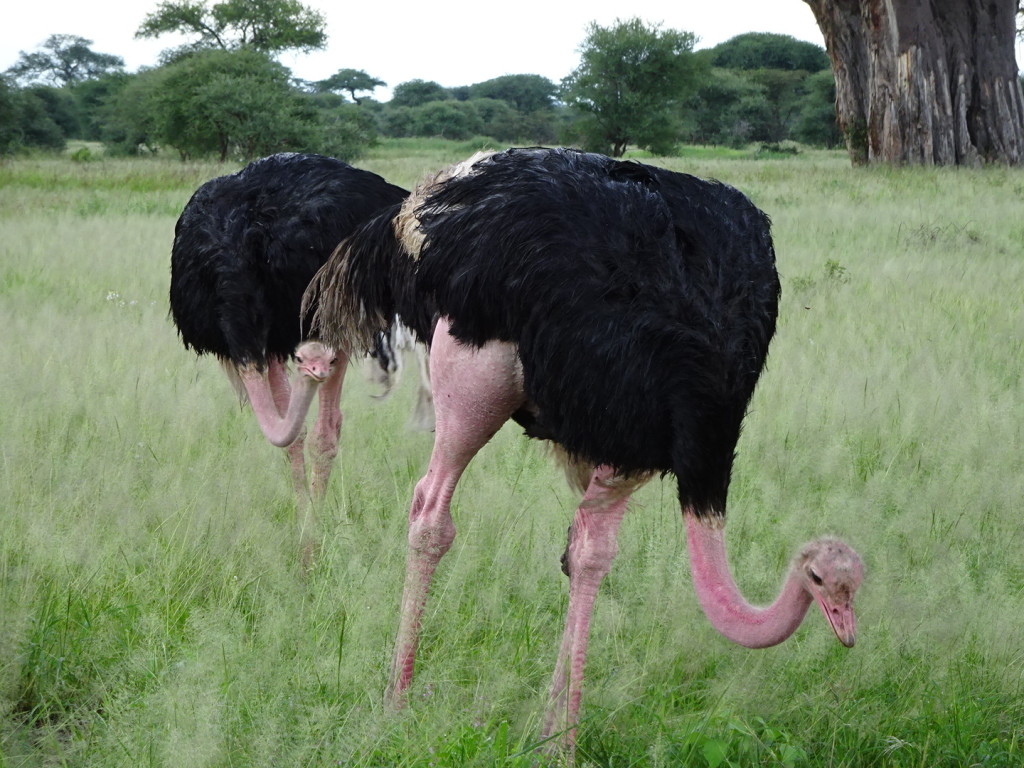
[475, 392]
[328, 427]
[281, 410]
[588, 558]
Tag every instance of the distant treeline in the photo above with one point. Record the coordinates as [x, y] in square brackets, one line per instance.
[239, 104]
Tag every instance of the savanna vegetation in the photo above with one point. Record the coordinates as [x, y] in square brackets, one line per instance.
[153, 609]
[224, 95]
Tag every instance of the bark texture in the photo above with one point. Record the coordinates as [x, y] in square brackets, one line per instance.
[930, 82]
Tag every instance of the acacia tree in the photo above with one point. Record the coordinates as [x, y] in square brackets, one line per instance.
[63, 60]
[349, 81]
[267, 26]
[925, 83]
[630, 83]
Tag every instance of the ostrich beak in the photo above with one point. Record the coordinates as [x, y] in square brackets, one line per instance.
[318, 373]
[841, 619]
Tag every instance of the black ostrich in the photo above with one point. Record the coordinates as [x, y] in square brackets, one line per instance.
[245, 248]
[620, 310]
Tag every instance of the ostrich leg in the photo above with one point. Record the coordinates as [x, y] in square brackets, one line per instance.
[328, 427]
[422, 418]
[588, 558]
[475, 392]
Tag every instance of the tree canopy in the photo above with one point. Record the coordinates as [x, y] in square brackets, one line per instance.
[630, 82]
[63, 60]
[765, 50]
[223, 93]
[349, 81]
[230, 104]
[267, 26]
[415, 93]
[527, 93]
[25, 120]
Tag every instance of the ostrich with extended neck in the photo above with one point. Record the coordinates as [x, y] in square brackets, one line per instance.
[620, 310]
[245, 248]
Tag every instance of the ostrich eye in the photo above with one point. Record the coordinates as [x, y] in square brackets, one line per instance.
[334, 360]
[815, 578]
[298, 359]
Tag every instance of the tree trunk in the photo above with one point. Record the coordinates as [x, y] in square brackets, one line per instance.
[929, 82]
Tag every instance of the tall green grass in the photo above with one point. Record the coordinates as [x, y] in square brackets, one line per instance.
[152, 607]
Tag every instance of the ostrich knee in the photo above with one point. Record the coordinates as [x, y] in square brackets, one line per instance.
[431, 530]
[589, 554]
[328, 431]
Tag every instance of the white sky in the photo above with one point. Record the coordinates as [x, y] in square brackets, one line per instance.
[399, 40]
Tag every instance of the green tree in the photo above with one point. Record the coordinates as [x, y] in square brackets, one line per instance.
[765, 50]
[347, 130]
[59, 105]
[816, 123]
[780, 67]
[8, 121]
[541, 127]
[724, 109]
[129, 116]
[415, 93]
[447, 119]
[527, 93]
[249, 117]
[398, 122]
[25, 122]
[498, 119]
[63, 60]
[785, 91]
[267, 26]
[92, 97]
[230, 104]
[349, 81]
[629, 86]
[38, 128]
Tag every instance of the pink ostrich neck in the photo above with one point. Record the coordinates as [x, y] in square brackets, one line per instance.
[721, 600]
[280, 431]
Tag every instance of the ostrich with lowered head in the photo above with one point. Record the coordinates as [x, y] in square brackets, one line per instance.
[245, 248]
[619, 310]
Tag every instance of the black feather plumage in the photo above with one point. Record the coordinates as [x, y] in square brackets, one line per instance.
[642, 302]
[247, 244]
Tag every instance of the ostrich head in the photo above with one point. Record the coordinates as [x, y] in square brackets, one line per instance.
[315, 360]
[831, 572]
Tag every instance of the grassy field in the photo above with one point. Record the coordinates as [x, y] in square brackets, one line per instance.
[152, 612]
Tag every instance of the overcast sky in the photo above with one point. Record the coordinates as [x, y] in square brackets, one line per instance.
[399, 40]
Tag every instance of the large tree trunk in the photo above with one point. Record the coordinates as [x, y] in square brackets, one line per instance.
[930, 82]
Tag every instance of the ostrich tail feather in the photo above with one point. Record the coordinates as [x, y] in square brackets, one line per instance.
[353, 296]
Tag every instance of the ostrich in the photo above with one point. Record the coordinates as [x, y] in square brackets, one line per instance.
[619, 310]
[390, 351]
[245, 247]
